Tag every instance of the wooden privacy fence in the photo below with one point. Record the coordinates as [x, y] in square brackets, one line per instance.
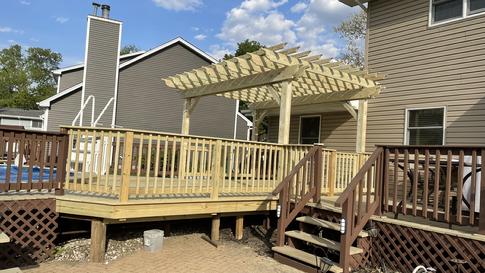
[142, 164]
[32, 160]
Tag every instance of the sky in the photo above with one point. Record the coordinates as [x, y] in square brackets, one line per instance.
[215, 26]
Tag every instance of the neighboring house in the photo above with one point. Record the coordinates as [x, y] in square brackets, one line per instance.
[29, 119]
[433, 53]
[127, 91]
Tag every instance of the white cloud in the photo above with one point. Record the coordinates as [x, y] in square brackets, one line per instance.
[299, 7]
[23, 2]
[10, 30]
[200, 37]
[61, 19]
[178, 5]
[218, 51]
[257, 20]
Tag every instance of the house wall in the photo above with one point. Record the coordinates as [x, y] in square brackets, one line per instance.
[426, 66]
[145, 102]
[63, 110]
[337, 130]
[71, 78]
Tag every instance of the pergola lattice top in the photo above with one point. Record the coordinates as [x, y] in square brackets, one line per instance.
[256, 77]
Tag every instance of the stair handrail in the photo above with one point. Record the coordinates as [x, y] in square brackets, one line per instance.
[354, 214]
[90, 97]
[102, 112]
[313, 190]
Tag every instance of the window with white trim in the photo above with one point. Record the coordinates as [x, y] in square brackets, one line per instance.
[449, 10]
[309, 130]
[425, 126]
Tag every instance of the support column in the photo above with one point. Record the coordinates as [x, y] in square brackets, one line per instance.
[189, 106]
[239, 227]
[98, 240]
[258, 117]
[361, 127]
[285, 113]
[216, 223]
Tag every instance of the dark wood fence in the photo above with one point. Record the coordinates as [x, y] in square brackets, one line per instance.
[439, 183]
[32, 160]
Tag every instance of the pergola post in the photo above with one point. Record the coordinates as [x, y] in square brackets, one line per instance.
[285, 112]
[361, 127]
[189, 106]
[258, 117]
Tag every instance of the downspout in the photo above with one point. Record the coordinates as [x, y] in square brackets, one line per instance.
[235, 119]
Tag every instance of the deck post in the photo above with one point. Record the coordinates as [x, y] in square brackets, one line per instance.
[98, 240]
[317, 175]
[332, 172]
[216, 223]
[216, 169]
[126, 167]
[361, 127]
[285, 112]
[239, 227]
[345, 238]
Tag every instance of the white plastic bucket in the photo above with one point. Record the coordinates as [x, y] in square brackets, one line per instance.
[153, 240]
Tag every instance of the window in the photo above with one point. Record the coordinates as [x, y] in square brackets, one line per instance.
[449, 10]
[425, 126]
[36, 123]
[309, 130]
[476, 6]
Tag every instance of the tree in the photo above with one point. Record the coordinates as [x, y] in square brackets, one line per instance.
[127, 49]
[244, 47]
[26, 76]
[353, 30]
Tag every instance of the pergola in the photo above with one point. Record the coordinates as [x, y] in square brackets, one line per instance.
[281, 77]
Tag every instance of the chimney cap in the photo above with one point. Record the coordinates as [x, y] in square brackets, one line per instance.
[96, 4]
[105, 7]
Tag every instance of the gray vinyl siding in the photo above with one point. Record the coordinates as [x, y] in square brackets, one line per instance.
[337, 130]
[63, 110]
[145, 102]
[71, 78]
[101, 68]
[426, 66]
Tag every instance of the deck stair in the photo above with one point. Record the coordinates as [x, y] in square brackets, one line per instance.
[306, 240]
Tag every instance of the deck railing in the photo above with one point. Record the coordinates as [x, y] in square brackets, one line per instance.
[143, 164]
[31, 160]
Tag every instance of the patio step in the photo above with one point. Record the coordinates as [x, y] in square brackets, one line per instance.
[306, 257]
[323, 242]
[325, 224]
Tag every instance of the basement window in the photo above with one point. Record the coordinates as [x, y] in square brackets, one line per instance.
[425, 126]
[442, 11]
[309, 129]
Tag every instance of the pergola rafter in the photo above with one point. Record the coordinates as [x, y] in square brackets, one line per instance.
[277, 76]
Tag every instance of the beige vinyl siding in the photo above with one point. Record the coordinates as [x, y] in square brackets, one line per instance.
[426, 66]
[71, 78]
[338, 130]
[145, 102]
[101, 68]
[63, 110]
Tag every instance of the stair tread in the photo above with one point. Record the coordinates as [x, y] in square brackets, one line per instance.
[325, 224]
[304, 257]
[324, 242]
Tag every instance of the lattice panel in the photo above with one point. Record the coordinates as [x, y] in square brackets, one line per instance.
[32, 228]
[403, 248]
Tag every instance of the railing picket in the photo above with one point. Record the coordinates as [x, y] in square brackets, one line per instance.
[437, 184]
[459, 190]
[416, 181]
[99, 162]
[116, 162]
[405, 182]
[448, 186]
[396, 174]
[107, 158]
[91, 164]
[481, 221]
[473, 188]
[426, 184]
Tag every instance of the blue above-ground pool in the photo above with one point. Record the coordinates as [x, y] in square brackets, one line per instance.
[14, 172]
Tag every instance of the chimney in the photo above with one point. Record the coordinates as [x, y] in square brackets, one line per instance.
[100, 79]
[105, 11]
[95, 8]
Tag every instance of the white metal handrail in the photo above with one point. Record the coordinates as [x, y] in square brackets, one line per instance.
[90, 97]
[102, 112]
